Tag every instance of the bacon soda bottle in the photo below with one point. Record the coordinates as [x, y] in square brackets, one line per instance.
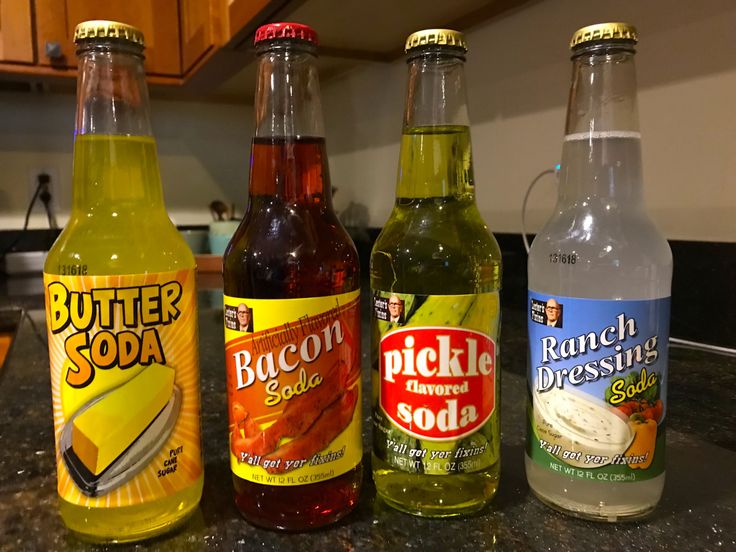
[121, 314]
[435, 279]
[599, 298]
[292, 327]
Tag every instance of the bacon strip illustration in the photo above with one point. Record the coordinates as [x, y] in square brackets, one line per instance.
[300, 412]
[350, 342]
[329, 425]
[249, 426]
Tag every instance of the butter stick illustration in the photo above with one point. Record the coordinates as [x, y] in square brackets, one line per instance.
[107, 428]
[115, 435]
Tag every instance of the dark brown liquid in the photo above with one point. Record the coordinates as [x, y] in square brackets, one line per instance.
[291, 245]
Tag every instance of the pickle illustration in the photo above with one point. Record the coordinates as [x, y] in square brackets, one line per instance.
[440, 310]
[474, 312]
[482, 314]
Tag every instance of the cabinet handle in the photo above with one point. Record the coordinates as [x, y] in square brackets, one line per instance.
[53, 50]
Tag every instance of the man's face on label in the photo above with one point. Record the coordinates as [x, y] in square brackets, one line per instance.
[394, 306]
[552, 310]
[243, 315]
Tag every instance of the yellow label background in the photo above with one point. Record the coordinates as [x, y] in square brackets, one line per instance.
[270, 313]
[179, 342]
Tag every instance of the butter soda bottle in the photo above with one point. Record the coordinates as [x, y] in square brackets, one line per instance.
[599, 301]
[291, 309]
[121, 313]
[435, 280]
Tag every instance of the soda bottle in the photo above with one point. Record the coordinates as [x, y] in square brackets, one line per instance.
[121, 313]
[599, 298]
[292, 322]
[435, 280]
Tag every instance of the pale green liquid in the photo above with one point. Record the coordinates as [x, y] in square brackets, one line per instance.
[435, 242]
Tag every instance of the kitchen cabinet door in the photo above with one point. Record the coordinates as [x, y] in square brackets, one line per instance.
[158, 19]
[16, 35]
[246, 14]
[200, 22]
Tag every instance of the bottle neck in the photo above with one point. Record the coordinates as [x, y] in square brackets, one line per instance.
[112, 98]
[287, 94]
[436, 159]
[436, 94]
[288, 158]
[115, 162]
[601, 155]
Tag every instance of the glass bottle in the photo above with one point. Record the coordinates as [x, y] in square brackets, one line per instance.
[122, 315]
[292, 286]
[435, 280]
[599, 288]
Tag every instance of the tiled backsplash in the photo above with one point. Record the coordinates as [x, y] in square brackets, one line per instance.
[703, 285]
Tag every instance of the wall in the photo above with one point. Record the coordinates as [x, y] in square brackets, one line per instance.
[518, 73]
[203, 152]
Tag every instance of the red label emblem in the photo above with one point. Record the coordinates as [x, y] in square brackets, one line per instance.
[437, 383]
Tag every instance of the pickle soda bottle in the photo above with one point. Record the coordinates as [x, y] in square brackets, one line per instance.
[435, 279]
[121, 314]
[292, 321]
[599, 299]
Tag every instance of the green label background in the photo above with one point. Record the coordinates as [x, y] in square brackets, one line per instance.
[479, 312]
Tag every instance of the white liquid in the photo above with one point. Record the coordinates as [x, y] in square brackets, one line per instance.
[620, 256]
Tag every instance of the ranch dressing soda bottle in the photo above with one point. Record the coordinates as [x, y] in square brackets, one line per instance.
[121, 308]
[599, 301]
[435, 279]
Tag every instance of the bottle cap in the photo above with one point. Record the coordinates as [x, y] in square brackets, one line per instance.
[286, 31]
[602, 32]
[108, 30]
[439, 37]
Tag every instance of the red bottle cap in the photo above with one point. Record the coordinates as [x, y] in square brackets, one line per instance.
[276, 31]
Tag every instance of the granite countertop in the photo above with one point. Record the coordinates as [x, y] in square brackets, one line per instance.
[697, 512]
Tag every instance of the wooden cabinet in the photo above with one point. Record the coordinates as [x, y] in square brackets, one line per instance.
[37, 36]
[16, 31]
[200, 25]
[158, 19]
[244, 15]
[204, 47]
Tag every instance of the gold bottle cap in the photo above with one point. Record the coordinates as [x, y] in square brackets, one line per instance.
[603, 31]
[100, 29]
[440, 37]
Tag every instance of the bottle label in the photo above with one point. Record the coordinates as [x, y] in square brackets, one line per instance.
[125, 386]
[597, 384]
[293, 381]
[435, 403]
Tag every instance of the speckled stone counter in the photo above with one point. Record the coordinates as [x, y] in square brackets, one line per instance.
[697, 512]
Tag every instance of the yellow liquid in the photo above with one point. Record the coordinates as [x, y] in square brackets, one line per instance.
[436, 496]
[119, 226]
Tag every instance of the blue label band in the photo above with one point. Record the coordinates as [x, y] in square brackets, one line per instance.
[597, 386]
